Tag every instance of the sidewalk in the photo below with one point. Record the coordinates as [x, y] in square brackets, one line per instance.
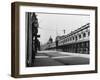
[46, 62]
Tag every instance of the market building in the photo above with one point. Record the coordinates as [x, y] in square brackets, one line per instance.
[78, 41]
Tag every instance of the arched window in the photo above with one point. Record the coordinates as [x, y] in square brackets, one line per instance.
[75, 37]
[88, 33]
[84, 34]
[68, 39]
[79, 36]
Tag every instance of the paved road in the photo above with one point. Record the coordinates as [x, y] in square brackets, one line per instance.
[55, 58]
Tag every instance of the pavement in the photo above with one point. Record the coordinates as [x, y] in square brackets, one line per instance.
[58, 58]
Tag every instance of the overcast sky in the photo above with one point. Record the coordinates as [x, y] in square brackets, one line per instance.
[54, 24]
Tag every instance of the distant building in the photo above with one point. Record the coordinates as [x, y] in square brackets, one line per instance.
[76, 42]
[50, 40]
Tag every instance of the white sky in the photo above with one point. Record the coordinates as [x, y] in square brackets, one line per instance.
[54, 24]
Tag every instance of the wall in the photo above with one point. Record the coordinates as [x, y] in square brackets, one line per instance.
[5, 40]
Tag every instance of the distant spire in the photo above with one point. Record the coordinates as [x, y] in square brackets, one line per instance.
[50, 39]
[64, 31]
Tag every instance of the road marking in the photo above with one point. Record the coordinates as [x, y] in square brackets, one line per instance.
[42, 57]
[61, 57]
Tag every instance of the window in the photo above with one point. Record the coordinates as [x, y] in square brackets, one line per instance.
[75, 37]
[70, 38]
[88, 33]
[79, 36]
[66, 40]
[84, 34]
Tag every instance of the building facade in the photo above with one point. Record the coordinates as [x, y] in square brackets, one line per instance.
[77, 41]
[31, 31]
